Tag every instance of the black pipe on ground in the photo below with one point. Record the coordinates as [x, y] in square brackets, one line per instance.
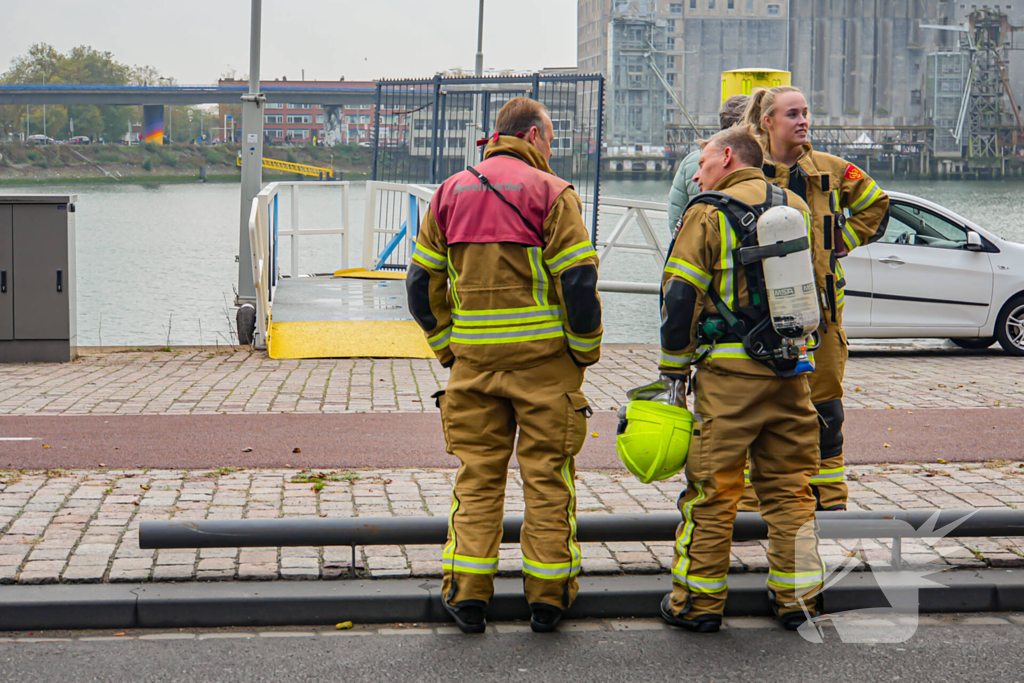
[591, 528]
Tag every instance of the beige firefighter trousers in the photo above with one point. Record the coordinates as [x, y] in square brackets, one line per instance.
[481, 413]
[775, 420]
[829, 483]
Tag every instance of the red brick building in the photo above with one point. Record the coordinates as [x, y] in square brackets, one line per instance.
[299, 124]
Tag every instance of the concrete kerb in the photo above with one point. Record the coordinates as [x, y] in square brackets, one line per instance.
[277, 603]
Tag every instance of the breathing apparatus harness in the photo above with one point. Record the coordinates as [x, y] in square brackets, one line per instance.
[752, 325]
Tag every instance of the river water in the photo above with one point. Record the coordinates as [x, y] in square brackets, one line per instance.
[156, 263]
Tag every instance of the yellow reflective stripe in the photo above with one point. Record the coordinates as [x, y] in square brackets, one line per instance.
[449, 547]
[679, 570]
[582, 343]
[430, 259]
[840, 297]
[795, 579]
[728, 350]
[467, 564]
[746, 476]
[540, 276]
[829, 476]
[441, 339]
[567, 257]
[869, 197]
[453, 277]
[506, 335]
[728, 272]
[549, 573]
[575, 553]
[674, 360]
[505, 316]
[696, 276]
[700, 584]
[850, 237]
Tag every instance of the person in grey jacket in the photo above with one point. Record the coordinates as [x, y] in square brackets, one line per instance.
[683, 187]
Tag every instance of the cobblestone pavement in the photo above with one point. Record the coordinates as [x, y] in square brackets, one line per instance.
[197, 382]
[82, 526]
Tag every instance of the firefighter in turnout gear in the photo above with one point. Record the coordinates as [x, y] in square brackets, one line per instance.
[740, 404]
[504, 284]
[848, 210]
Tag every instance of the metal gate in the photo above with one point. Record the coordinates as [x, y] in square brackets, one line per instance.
[426, 130]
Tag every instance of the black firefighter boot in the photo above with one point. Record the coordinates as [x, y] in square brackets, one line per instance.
[544, 618]
[702, 623]
[469, 615]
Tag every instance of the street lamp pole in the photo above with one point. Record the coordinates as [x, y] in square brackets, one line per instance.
[480, 42]
[252, 162]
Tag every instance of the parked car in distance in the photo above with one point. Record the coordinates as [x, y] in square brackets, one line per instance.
[80, 140]
[39, 140]
[935, 273]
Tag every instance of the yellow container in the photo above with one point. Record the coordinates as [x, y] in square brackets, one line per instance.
[743, 81]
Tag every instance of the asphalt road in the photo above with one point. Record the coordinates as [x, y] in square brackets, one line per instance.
[956, 652]
[415, 440]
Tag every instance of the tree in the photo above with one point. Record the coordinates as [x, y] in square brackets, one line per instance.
[82, 65]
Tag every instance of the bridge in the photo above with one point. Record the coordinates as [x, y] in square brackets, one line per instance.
[357, 93]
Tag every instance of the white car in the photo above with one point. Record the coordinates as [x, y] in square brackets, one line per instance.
[936, 274]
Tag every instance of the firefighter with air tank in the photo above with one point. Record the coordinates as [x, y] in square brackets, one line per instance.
[739, 303]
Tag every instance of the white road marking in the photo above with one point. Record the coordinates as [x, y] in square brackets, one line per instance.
[17, 438]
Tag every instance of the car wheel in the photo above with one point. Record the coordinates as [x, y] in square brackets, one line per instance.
[974, 343]
[1010, 326]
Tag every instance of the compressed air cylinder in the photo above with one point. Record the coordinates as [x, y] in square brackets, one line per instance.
[789, 279]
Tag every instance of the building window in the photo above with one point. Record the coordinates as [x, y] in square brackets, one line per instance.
[319, 118]
[693, 4]
[298, 133]
[300, 118]
[273, 118]
[731, 4]
[274, 133]
[670, 43]
[273, 105]
[750, 5]
[671, 78]
[675, 8]
[711, 4]
[773, 10]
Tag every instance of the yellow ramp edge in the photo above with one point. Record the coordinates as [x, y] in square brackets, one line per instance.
[348, 339]
[364, 274]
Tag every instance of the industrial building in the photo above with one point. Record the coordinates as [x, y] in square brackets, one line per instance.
[865, 65]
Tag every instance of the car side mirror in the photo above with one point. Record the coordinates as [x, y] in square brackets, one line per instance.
[974, 242]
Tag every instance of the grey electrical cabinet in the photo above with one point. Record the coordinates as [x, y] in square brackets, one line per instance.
[38, 308]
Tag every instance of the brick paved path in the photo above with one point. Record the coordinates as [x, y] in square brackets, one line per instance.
[194, 382]
[82, 526]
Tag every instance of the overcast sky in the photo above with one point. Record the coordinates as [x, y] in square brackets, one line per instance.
[196, 41]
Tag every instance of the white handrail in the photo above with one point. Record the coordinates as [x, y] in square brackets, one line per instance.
[371, 219]
[264, 232]
[643, 214]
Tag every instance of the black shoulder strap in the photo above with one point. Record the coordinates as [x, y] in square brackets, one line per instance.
[483, 179]
[739, 212]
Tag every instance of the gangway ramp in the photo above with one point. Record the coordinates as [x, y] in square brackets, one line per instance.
[343, 317]
[351, 313]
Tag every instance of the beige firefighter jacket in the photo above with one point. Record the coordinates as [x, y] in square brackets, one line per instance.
[836, 186]
[703, 257]
[501, 306]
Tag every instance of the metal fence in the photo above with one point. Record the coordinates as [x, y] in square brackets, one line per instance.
[426, 130]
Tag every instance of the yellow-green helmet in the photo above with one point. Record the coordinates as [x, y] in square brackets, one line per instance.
[653, 439]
